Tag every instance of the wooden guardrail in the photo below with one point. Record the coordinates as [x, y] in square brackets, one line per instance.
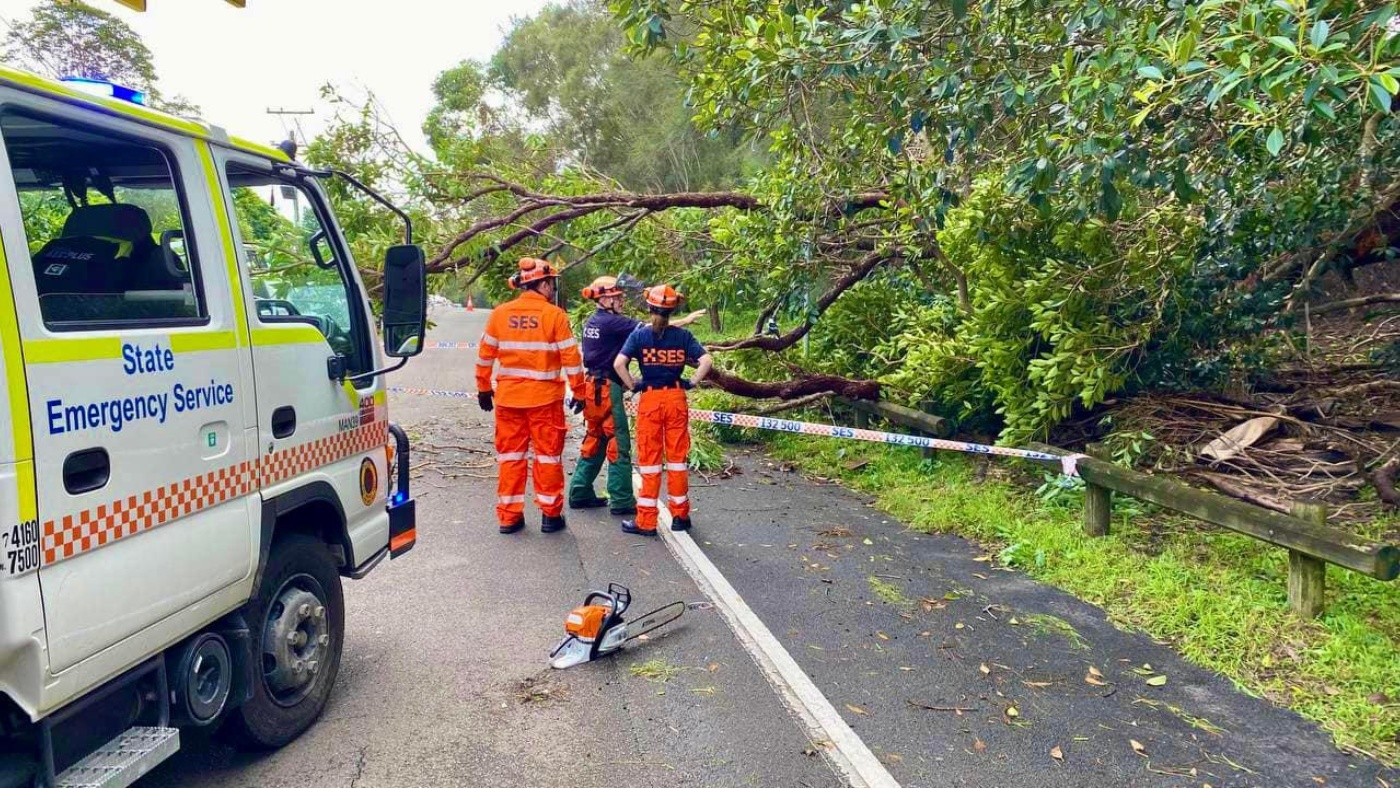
[1310, 542]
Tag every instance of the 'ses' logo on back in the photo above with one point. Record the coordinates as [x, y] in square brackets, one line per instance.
[524, 321]
[665, 357]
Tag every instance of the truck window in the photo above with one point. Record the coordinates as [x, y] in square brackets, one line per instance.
[106, 226]
[296, 268]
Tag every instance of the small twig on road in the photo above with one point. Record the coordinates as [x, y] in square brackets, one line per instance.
[445, 446]
[641, 763]
[959, 709]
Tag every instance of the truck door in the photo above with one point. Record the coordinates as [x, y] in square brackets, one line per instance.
[320, 434]
[137, 375]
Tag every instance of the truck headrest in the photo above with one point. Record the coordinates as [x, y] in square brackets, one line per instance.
[115, 220]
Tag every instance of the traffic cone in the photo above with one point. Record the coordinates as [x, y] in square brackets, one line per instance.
[470, 307]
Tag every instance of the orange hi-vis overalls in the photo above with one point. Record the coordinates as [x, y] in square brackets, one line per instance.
[663, 419]
[601, 431]
[534, 352]
[663, 442]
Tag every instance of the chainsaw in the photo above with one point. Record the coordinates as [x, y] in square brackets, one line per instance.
[597, 629]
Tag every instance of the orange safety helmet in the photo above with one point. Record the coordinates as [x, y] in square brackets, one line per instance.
[602, 287]
[532, 269]
[663, 297]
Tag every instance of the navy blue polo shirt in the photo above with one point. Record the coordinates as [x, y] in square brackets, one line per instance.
[604, 334]
[662, 359]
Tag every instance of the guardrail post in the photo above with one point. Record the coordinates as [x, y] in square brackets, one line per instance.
[1098, 501]
[862, 419]
[1307, 576]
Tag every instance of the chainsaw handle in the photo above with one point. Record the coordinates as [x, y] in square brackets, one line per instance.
[622, 595]
[607, 598]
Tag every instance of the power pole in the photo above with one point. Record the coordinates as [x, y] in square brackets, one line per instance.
[295, 115]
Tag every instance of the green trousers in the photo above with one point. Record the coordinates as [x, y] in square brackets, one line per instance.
[619, 473]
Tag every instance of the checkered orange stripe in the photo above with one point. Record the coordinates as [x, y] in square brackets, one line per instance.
[80, 532]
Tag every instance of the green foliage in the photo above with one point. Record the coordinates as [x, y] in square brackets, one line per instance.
[69, 38]
[1059, 314]
[1067, 200]
[1128, 191]
[626, 118]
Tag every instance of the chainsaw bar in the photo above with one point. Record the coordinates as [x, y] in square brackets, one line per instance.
[654, 620]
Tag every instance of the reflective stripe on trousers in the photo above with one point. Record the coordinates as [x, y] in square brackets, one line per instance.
[517, 431]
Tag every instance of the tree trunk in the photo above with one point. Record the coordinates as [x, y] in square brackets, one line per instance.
[799, 387]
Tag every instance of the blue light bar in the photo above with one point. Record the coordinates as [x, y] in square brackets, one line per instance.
[98, 87]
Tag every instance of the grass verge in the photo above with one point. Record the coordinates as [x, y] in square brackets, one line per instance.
[1218, 597]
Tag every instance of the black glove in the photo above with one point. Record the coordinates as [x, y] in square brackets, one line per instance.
[686, 384]
[576, 405]
[485, 400]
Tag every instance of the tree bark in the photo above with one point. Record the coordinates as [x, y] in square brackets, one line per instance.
[1384, 480]
[1352, 303]
[798, 387]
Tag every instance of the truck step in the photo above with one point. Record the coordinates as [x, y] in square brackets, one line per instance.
[123, 760]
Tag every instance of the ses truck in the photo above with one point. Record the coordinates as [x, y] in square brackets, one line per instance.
[194, 444]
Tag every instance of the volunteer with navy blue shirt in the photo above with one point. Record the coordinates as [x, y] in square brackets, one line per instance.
[662, 352]
[605, 421]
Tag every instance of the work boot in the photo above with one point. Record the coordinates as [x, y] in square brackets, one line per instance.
[631, 527]
[680, 523]
[513, 527]
[589, 503]
[551, 523]
[623, 511]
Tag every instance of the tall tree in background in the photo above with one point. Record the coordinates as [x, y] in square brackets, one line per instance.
[68, 38]
[566, 69]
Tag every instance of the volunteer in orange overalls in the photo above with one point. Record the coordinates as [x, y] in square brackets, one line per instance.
[662, 352]
[531, 340]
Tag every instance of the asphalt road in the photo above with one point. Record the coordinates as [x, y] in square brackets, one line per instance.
[444, 679]
[926, 647]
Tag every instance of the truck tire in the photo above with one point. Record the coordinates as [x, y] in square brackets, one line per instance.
[298, 623]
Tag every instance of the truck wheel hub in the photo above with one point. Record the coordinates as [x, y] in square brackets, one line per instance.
[296, 637]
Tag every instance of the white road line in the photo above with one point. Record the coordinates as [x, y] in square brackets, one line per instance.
[843, 749]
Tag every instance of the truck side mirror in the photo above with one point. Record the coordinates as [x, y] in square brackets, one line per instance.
[405, 300]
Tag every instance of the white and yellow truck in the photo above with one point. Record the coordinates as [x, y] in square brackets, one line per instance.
[194, 444]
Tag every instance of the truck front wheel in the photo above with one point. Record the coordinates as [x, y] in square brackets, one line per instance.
[298, 623]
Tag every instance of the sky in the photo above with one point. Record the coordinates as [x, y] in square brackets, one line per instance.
[276, 54]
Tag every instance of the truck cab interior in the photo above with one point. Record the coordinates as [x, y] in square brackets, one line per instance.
[105, 225]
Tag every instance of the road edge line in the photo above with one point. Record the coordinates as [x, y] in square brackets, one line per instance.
[845, 752]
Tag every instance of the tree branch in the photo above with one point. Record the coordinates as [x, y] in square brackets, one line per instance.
[800, 402]
[862, 269]
[1352, 303]
[803, 386]
[569, 207]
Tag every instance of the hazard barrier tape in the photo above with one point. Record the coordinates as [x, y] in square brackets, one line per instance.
[451, 346]
[432, 392]
[1068, 463]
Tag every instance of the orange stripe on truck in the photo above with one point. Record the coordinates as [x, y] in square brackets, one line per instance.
[79, 532]
[405, 539]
